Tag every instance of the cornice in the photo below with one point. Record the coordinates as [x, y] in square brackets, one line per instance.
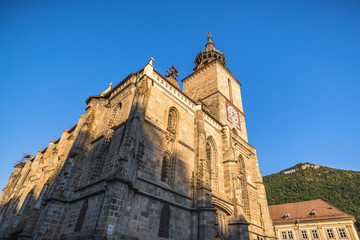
[307, 221]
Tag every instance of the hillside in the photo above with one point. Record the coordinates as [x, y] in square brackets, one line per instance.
[340, 188]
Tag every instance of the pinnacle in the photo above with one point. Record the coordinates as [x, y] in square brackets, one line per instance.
[209, 44]
[209, 37]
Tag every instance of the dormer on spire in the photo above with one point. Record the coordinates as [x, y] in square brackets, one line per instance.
[209, 54]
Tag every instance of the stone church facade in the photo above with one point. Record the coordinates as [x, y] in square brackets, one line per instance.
[146, 161]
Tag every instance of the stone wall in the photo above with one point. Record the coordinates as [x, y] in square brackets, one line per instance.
[144, 162]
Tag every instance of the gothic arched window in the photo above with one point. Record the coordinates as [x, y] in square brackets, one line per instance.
[172, 120]
[234, 131]
[164, 226]
[208, 151]
[211, 162]
[241, 165]
[230, 91]
[167, 169]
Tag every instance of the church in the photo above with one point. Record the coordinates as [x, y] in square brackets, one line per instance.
[147, 161]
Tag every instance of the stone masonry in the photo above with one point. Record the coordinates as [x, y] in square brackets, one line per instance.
[146, 161]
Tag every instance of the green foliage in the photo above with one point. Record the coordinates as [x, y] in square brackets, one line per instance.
[338, 187]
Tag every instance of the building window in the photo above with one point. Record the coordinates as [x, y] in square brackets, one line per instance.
[342, 233]
[172, 120]
[167, 169]
[212, 163]
[290, 235]
[315, 233]
[284, 235]
[208, 152]
[330, 233]
[304, 234]
[230, 90]
[234, 131]
[164, 226]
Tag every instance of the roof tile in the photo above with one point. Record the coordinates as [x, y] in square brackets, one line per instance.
[302, 210]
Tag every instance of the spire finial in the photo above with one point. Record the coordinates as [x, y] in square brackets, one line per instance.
[209, 44]
[209, 37]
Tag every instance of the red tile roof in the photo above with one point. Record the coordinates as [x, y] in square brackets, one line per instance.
[302, 210]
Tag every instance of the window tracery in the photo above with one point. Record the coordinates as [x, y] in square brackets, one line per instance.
[167, 169]
[172, 120]
[211, 163]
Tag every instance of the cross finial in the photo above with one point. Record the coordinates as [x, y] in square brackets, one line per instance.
[172, 72]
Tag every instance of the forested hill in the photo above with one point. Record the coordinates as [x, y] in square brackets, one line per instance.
[340, 188]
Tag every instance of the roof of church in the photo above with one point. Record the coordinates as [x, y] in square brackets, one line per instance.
[307, 210]
[172, 82]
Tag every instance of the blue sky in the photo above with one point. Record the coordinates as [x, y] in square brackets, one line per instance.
[298, 62]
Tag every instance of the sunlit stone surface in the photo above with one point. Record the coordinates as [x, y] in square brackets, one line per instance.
[146, 161]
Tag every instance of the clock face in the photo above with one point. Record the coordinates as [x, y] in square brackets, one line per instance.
[233, 115]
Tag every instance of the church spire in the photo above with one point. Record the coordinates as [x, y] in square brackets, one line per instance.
[209, 44]
[209, 54]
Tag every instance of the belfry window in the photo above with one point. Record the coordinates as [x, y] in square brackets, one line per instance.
[164, 226]
[230, 90]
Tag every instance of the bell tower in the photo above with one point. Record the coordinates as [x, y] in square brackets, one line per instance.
[216, 88]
